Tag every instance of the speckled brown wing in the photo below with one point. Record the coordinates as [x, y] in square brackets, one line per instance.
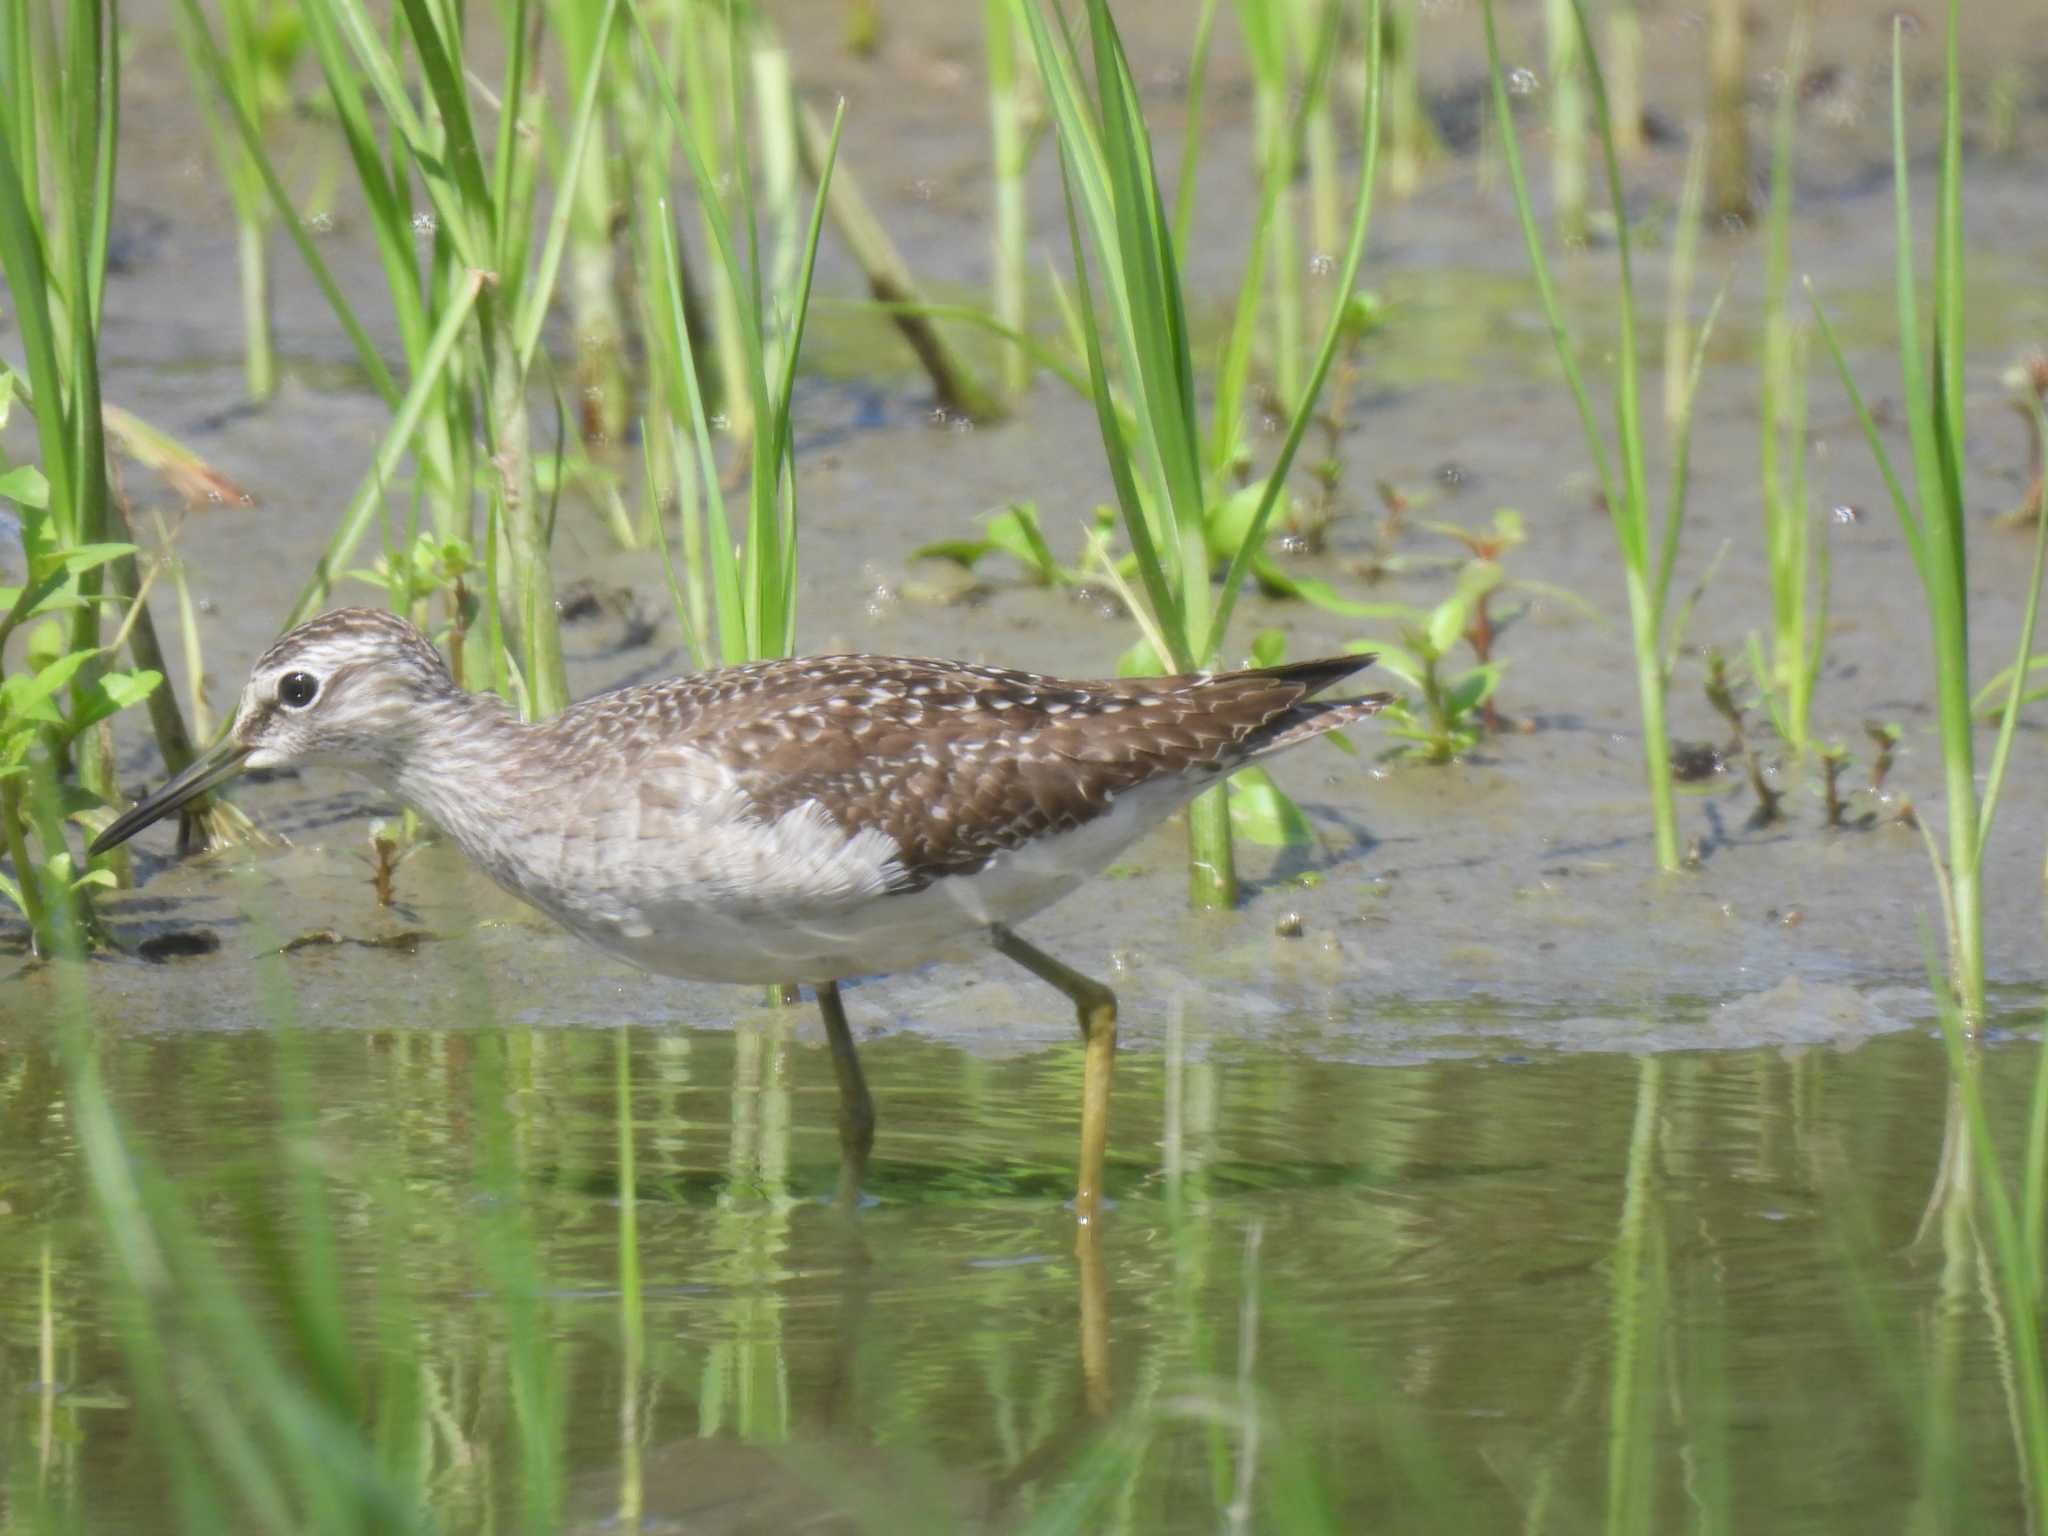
[957, 764]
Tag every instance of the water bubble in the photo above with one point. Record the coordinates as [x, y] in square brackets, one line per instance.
[423, 224]
[320, 221]
[1523, 82]
[1322, 264]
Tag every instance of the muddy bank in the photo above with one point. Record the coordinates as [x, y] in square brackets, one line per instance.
[1491, 904]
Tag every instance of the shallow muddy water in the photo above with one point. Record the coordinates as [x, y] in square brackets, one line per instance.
[1431, 1259]
[1521, 1175]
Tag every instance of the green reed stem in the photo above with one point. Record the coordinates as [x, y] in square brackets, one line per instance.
[1010, 152]
[1646, 570]
[1568, 182]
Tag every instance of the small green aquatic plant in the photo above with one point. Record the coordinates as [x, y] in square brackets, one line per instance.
[1015, 532]
[1720, 691]
[1648, 554]
[1934, 519]
[1151, 425]
[1447, 717]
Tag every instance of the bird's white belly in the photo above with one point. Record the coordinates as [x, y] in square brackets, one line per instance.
[798, 931]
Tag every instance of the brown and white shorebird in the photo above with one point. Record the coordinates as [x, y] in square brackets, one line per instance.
[789, 821]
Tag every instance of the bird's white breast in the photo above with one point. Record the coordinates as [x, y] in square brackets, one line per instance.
[678, 874]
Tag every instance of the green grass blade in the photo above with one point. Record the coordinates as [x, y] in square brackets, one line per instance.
[1191, 125]
[1995, 780]
[207, 54]
[1909, 521]
[1164, 599]
[1532, 237]
[783, 439]
[538, 291]
[369, 497]
[729, 610]
[1253, 542]
[453, 177]
[28, 283]
[1628, 393]
[1912, 370]
[462, 159]
[1681, 455]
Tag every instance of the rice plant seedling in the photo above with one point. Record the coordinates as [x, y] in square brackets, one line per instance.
[1933, 519]
[1166, 492]
[725, 66]
[485, 285]
[603, 388]
[1648, 557]
[1294, 46]
[59, 77]
[736, 601]
[1798, 559]
[1269, 40]
[260, 39]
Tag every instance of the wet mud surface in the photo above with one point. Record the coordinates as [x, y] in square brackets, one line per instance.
[1510, 893]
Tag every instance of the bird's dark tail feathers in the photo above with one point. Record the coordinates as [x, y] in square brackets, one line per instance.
[1312, 717]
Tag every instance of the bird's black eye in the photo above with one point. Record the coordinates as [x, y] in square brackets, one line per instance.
[296, 689]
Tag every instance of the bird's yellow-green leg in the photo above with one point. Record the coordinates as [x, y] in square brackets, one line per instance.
[1095, 1008]
[856, 1106]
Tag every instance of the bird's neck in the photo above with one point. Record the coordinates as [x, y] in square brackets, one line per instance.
[457, 764]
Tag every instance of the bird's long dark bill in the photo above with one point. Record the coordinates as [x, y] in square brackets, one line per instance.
[210, 768]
